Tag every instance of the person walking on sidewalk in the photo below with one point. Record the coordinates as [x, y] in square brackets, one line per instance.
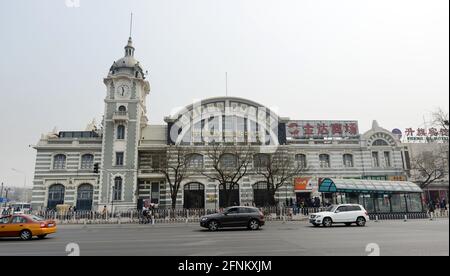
[443, 206]
[431, 208]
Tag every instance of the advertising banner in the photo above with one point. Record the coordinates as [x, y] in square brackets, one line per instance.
[302, 184]
[321, 129]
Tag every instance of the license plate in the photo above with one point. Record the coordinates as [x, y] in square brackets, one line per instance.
[51, 225]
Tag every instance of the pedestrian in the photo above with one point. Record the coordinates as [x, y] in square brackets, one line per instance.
[431, 207]
[145, 215]
[443, 206]
[104, 212]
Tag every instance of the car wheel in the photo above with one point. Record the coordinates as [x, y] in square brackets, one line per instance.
[213, 225]
[253, 224]
[348, 224]
[41, 237]
[327, 222]
[26, 235]
[361, 222]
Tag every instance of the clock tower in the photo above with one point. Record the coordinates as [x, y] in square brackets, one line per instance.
[123, 120]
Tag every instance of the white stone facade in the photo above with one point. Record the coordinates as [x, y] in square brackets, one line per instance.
[141, 145]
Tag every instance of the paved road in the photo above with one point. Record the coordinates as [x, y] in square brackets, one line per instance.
[293, 238]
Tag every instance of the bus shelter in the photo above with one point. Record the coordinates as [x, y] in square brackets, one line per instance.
[377, 196]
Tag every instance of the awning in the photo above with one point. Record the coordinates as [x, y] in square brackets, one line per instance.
[329, 185]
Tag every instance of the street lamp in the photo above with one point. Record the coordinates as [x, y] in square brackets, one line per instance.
[25, 198]
[7, 190]
[215, 197]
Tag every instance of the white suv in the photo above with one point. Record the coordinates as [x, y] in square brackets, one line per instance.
[343, 213]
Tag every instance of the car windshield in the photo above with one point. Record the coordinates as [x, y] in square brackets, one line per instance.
[232, 209]
[36, 218]
[226, 210]
[331, 208]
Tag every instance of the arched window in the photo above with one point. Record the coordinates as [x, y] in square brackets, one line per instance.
[194, 160]
[301, 160]
[228, 160]
[229, 195]
[55, 196]
[380, 142]
[122, 108]
[324, 160]
[85, 196]
[262, 196]
[120, 132]
[59, 162]
[117, 192]
[194, 196]
[87, 161]
[348, 160]
[261, 160]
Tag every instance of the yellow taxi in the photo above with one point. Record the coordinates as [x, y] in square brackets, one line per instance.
[26, 226]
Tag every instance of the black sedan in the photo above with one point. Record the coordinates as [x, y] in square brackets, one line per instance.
[239, 216]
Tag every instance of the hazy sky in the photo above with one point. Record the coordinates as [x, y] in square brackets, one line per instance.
[319, 59]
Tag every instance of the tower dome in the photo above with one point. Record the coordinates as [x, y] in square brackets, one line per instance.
[127, 65]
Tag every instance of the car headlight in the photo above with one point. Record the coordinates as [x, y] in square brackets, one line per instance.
[203, 219]
[318, 217]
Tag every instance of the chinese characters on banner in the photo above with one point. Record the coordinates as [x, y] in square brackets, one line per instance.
[422, 132]
[423, 135]
[321, 129]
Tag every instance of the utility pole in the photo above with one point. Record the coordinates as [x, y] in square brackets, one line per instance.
[25, 197]
[1, 191]
[6, 196]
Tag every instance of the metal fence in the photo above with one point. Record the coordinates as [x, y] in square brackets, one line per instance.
[407, 216]
[159, 216]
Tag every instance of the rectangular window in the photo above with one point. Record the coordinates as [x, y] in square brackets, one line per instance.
[119, 158]
[324, 161]
[387, 159]
[375, 159]
[156, 164]
[407, 160]
[155, 193]
[348, 160]
[87, 161]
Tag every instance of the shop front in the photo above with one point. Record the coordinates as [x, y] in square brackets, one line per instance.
[376, 196]
[303, 189]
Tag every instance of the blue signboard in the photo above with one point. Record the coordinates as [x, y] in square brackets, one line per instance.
[3, 200]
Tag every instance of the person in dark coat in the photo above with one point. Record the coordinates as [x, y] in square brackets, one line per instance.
[431, 206]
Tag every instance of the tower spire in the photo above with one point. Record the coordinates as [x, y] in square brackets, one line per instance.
[129, 49]
[131, 25]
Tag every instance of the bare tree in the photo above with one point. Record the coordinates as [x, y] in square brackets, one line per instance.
[440, 119]
[428, 167]
[175, 168]
[230, 164]
[278, 170]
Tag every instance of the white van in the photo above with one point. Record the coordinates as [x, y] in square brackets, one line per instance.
[20, 207]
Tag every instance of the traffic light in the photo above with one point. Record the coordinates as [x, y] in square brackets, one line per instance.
[96, 168]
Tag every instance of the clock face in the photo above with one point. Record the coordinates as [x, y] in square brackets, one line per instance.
[123, 91]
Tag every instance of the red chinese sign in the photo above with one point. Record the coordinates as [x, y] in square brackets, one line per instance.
[321, 129]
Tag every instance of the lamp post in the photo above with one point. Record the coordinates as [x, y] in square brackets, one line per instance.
[25, 198]
[7, 190]
[112, 199]
[215, 197]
